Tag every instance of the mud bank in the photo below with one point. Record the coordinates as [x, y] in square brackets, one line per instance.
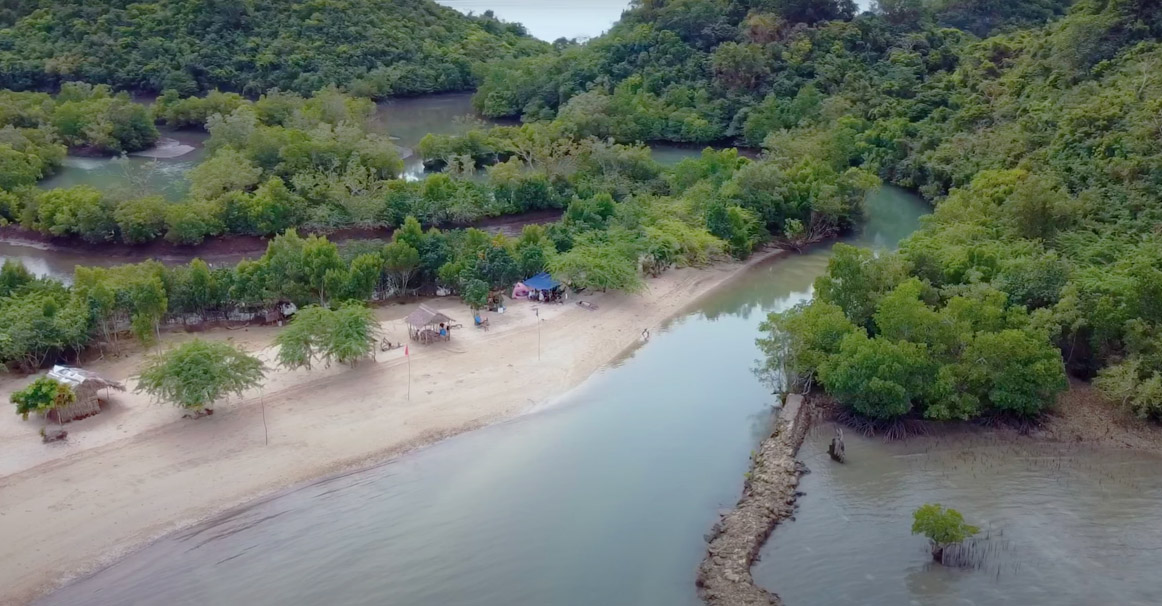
[768, 497]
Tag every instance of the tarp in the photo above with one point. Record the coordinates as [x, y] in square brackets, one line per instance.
[520, 291]
[541, 281]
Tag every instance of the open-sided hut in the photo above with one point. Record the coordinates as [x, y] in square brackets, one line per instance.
[424, 324]
[88, 386]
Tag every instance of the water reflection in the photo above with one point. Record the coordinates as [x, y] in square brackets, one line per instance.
[602, 499]
[1061, 524]
[136, 176]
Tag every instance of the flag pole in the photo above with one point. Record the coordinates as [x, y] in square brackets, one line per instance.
[407, 355]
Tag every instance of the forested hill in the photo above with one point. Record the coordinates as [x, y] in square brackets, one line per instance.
[1041, 146]
[374, 47]
[698, 70]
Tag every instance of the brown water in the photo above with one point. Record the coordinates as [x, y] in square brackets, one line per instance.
[1061, 524]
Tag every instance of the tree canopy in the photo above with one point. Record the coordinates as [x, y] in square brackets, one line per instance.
[375, 48]
[42, 396]
[942, 527]
[199, 373]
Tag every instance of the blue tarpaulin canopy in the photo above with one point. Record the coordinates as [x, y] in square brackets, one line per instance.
[541, 281]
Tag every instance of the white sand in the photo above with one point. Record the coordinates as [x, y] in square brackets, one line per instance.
[138, 470]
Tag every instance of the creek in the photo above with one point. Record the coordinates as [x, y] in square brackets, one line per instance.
[162, 171]
[602, 497]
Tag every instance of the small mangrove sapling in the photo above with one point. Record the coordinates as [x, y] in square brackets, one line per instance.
[943, 527]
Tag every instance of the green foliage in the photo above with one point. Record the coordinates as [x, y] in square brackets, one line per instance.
[796, 343]
[375, 48]
[320, 335]
[197, 374]
[598, 267]
[475, 293]
[1134, 385]
[856, 279]
[141, 220]
[942, 527]
[353, 335]
[877, 377]
[76, 211]
[41, 396]
[13, 277]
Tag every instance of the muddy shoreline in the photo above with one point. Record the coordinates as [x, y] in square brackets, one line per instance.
[1080, 416]
[768, 498]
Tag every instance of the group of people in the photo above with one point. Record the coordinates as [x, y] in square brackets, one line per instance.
[548, 296]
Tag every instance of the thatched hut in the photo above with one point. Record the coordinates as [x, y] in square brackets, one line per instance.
[88, 386]
[424, 324]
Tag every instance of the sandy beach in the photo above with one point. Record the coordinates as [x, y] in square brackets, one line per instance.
[138, 470]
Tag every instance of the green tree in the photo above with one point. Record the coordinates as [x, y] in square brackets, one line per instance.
[400, 260]
[1016, 372]
[856, 278]
[319, 256]
[320, 335]
[876, 377]
[796, 343]
[226, 170]
[197, 374]
[597, 267]
[142, 219]
[191, 222]
[42, 396]
[353, 335]
[942, 527]
[303, 342]
[13, 275]
[475, 294]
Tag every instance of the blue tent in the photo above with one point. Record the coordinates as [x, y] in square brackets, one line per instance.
[541, 281]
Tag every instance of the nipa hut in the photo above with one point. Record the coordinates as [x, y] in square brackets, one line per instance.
[424, 324]
[88, 386]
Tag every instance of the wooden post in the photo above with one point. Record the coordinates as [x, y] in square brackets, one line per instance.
[835, 449]
[265, 430]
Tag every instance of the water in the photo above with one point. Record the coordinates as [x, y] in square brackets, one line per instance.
[406, 120]
[603, 498]
[1065, 525]
[137, 175]
[58, 264]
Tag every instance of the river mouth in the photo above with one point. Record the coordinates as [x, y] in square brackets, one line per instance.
[603, 498]
[1061, 523]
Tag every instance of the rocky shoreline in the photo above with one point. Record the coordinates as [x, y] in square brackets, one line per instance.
[768, 497]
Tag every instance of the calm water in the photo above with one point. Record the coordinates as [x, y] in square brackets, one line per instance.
[406, 120]
[136, 176]
[1065, 525]
[601, 499]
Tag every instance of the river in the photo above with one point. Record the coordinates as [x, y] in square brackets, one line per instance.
[602, 497]
[1065, 524]
[406, 120]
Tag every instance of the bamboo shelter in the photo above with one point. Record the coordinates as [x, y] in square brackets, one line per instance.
[88, 386]
[427, 325]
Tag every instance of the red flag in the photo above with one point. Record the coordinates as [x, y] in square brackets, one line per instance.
[405, 350]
